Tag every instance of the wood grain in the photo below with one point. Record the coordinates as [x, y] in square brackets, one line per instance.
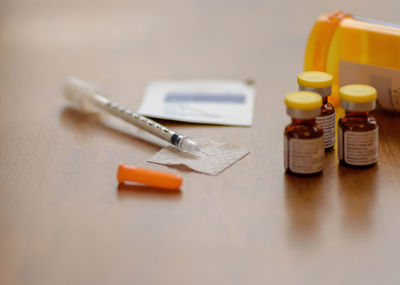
[65, 220]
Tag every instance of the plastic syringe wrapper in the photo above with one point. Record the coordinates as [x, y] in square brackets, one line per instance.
[213, 158]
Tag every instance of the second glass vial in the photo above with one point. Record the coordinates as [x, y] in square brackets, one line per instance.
[321, 83]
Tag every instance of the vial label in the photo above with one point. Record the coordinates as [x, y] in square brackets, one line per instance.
[385, 80]
[340, 143]
[360, 148]
[306, 156]
[285, 152]
[328, 125]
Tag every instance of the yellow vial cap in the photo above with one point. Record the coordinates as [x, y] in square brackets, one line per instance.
[303, 100]
[358, 93]
[315, 79]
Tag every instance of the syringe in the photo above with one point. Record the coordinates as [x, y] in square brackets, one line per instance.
[88, 98]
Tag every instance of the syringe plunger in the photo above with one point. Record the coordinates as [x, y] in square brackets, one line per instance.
[81, 94]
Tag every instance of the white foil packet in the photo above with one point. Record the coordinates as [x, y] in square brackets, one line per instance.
[200, 101]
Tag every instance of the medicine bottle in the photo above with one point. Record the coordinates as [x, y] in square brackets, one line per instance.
[358, 130]
[303, 138]
[357, 50]
[321, 83]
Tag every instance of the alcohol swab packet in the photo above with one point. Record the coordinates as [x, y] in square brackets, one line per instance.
[222, 102]
[212, 159]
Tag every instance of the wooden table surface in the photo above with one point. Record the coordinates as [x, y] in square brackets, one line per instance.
[65, 220]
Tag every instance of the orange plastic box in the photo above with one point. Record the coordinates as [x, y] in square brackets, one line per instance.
[357, 50]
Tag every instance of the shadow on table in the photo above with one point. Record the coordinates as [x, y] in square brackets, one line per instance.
[305, 200]
[357, 193]
[134, 191]
[309, 199]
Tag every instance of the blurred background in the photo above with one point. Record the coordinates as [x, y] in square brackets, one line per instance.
[64, 222]
[128, 43]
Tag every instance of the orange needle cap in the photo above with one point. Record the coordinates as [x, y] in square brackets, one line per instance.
[148, 177]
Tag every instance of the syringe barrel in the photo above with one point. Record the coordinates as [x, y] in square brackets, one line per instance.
[132, 117]
[89, 99]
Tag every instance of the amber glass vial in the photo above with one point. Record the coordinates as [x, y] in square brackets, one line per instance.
[303, 138]
[358, 130]
[321, 83]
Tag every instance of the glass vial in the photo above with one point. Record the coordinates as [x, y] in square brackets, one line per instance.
[358, 130]
[303, 138]
[321, 83]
